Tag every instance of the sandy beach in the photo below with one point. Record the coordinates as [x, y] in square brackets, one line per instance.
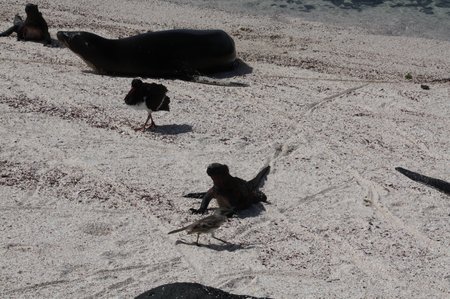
[87, 202]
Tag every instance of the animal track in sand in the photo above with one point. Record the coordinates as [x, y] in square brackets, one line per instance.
[238, 282]
[33, 288]
[244, 230]
[373, 200]
[72, 183]
[312, 196]
[312, 107]
[18, 247]
[419, 144]
[290, 145]
[92, 115]
[97, 229]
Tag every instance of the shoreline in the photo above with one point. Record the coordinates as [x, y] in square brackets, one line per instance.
[388, 22]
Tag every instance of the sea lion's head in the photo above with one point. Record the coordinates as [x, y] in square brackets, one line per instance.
[31, 10]
[90, 47]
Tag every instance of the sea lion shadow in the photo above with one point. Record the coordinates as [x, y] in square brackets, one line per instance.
[240, 68]
[173, 129]
[54, 43]
[230, 247]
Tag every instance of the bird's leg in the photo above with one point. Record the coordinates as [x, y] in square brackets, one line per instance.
[143, 127]
[152, 125]
[212, 235]
[196, 242]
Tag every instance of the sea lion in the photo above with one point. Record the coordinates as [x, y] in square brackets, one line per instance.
[149, 97]
[231, 193]
[189, 290]
[206, 225]
[34, 28]
[181, 53]
[438, 184]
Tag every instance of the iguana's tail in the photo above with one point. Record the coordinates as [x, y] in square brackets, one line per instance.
[432, 182]
[260, 178]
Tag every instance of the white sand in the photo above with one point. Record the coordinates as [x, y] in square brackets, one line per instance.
[86, 203]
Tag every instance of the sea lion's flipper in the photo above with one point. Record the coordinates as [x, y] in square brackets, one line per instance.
[441, 185]
[9, 31]
[195, 195]
[259, 179]
[47, 39]
[15, 28]
[222, 82]
[189, 74]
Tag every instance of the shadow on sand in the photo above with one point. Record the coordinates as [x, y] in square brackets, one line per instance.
[254, 211]
[230, 247]
[173, 129]
[240, 68]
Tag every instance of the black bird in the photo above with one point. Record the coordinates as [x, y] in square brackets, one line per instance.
[231, 192]
[147, 96]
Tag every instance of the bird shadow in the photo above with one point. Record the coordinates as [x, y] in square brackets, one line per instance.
[254, 211]
[173, 129]
[230, 247]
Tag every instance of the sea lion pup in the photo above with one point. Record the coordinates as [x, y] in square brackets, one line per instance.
[206, 225]
[438, 184]
[180, 53]
[149, 97]
[34, 28]
[231, 193]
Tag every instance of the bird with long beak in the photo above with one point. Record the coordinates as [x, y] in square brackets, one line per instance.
[147, 96]
[206, 225]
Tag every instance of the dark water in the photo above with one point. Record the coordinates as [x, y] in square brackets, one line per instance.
[419, 18]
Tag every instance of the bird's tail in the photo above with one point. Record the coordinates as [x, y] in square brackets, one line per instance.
[260, 178]
[165, 104]
[195, 195]
[432, 182]
[178, 230]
